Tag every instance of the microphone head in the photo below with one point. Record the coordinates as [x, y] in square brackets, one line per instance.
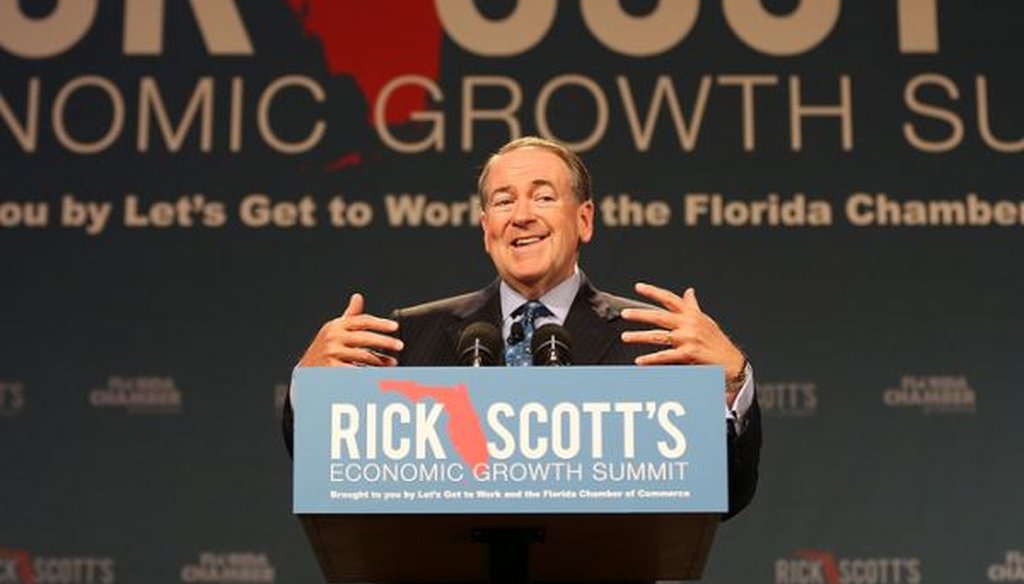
[551, 345]
[516, 333]
[480, 344]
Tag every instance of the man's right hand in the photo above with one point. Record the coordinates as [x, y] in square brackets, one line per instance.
[353, 339]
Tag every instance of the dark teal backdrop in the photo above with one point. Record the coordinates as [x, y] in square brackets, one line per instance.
[145, 358]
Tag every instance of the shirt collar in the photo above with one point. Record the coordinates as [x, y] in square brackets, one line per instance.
[558, 299]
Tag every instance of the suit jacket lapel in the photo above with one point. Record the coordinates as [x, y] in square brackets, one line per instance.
[484, 306]
[587, 322]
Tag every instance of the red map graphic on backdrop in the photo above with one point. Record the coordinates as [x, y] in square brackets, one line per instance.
[463, 429]
[827, 561]
[21, 562]
[375, 42]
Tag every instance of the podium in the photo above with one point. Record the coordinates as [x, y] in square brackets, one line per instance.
[597, 474]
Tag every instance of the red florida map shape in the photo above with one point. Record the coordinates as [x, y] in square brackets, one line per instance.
[463, 428]
[23, 562]
[375, 42]
[827, 561]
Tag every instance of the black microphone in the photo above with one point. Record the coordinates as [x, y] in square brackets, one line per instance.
[516, 334]
[551, 345]
[480, 345]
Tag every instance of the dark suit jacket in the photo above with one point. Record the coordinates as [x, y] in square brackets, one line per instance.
[431, 332]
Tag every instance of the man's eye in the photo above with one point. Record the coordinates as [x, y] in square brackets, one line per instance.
[502, 201]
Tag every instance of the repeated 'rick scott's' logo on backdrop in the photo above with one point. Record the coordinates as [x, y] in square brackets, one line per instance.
[932, 394]
[1009, 569]
[236, 567]
[143, 394]
[809, 566]
[19, 566]
[788, 398]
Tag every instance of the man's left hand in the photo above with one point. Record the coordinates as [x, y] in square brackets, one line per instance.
[689, 335]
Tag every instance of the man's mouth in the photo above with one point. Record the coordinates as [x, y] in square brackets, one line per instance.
[529, 240]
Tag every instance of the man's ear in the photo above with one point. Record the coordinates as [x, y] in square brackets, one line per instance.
[585, 221]
[483, 231]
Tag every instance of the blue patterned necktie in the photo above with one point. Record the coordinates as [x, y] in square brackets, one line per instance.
[518, 354]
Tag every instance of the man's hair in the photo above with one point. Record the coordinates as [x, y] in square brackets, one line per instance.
[577, 170]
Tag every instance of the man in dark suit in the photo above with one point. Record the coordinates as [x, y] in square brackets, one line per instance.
[537, 212]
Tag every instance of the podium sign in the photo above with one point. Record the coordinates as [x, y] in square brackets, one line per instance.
[509, 440]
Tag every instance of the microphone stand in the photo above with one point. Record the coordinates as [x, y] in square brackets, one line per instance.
[508, 552]
[478, 355]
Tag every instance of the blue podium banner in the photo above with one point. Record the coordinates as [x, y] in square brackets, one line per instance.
[509, 440]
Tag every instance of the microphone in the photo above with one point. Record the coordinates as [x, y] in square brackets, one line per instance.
[516, 334]
[551, 345]
[480, 345]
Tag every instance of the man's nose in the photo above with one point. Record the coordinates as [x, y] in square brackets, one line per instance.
[523, 211]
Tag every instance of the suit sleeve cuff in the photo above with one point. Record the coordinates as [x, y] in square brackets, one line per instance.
[741, 405]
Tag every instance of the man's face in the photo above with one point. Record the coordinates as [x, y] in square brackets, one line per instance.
[532, 222]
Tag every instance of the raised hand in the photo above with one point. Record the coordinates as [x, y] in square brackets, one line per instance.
[353, 339]
[688, 334]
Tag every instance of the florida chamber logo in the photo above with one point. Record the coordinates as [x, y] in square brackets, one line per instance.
[1010, 569]
[12, 398]
[19, 566]
[933, 394]
[229, 567]
[143, 394]
[788, 398]
[809, 566]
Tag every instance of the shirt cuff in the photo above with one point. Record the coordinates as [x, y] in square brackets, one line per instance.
[744, 399]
